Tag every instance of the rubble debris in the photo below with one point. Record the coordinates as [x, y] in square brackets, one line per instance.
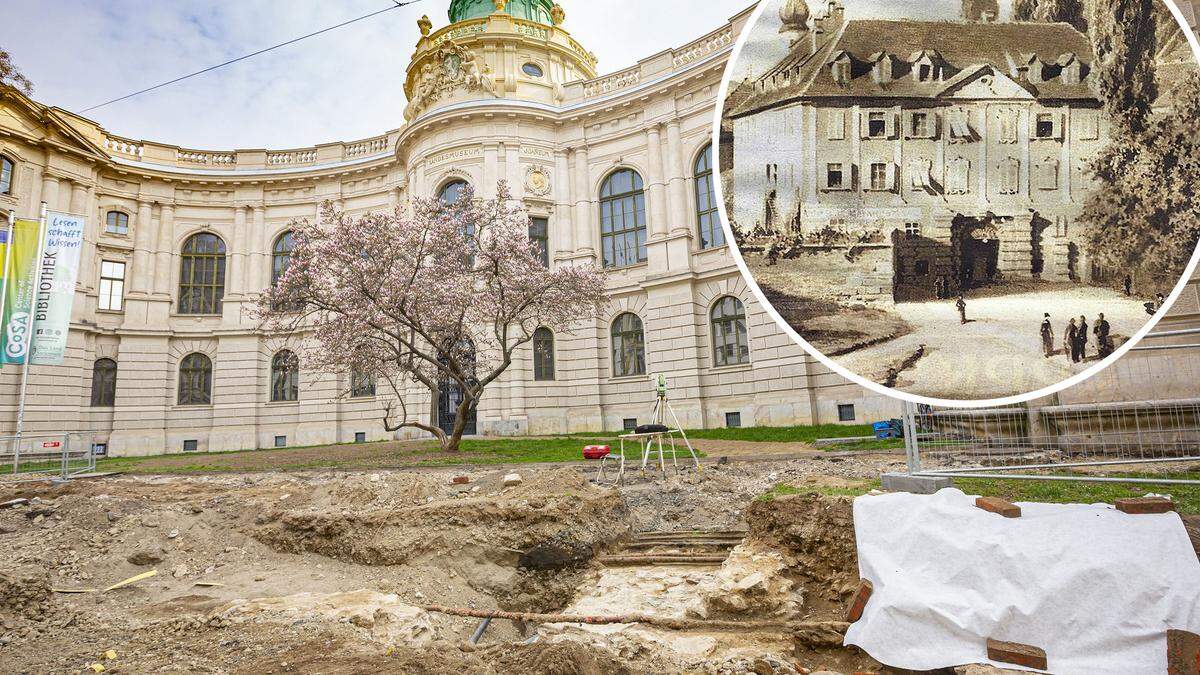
[858, 603]
[1016, 654]
[512, 480]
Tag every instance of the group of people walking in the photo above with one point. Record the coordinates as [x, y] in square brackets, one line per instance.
[1075, 337]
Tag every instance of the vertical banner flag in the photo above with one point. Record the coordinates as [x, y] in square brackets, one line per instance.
[19, 288]
[56, 287]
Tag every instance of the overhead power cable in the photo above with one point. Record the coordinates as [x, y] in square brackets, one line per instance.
[396, 4]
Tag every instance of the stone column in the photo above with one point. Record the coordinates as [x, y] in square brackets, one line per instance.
[49, 191]
[491, 171]
[585, 237]
[164, 252]
[237, 256]
[678, 177]
[81, 205]
[654, 183]
[142, 280]
[257, 280]
[562, 224]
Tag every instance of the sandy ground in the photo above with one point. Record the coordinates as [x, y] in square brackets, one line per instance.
[998, 352]
[325, 572]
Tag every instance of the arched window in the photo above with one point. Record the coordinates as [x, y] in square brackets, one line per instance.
[116, 222]
[707, 218]
[195, 380]
[543, 354]
[623, 219]
[6, 175]
[285, 377]
[202, 274]
[629, 346]
[731, 344]
[281, 256]
[452, 191]
[362, 384]
[104, 383]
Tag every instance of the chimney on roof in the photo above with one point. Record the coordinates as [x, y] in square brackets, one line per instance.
[980, 10]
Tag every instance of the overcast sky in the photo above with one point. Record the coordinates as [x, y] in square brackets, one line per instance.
[342, 85]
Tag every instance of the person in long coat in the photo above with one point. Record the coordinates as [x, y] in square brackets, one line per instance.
[1082, 337]
[1103, 341]
[961, 304]
[1047, 337]
[1070, 344]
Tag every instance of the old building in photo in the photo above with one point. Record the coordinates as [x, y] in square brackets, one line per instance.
[615, 169]
[951, 150]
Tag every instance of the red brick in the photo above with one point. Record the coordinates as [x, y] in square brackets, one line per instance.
[1143, 505]
[997, 505]
[858, 603]
[1183, 653]
[1016, 653]
[460, 480]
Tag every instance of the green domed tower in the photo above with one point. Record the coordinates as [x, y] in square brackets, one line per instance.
[532, 10]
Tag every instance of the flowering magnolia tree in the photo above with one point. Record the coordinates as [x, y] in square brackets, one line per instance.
[442, 298]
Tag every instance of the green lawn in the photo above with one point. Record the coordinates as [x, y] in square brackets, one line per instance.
[1054, 492]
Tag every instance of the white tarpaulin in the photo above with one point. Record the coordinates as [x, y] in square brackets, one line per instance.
[1094, 587]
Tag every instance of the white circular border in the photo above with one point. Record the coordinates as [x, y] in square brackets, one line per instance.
[723, 92]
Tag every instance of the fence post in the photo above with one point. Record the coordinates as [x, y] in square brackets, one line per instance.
[911, 450]
[66, 455]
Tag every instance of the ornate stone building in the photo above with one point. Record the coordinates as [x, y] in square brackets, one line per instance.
[949, 149]
[614, 169]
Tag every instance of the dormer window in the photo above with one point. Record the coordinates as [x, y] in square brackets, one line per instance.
[841, 72]
[925, 72]
[1071, 69]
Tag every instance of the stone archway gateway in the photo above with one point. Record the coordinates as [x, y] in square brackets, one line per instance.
[975, 246]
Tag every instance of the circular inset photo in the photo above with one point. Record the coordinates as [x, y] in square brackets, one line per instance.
[965, 202]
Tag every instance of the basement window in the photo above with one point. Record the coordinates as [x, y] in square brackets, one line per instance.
[629, 423]
[733, 420]
[190, 445]
[845, 412]
[281, 441]
[360, 437]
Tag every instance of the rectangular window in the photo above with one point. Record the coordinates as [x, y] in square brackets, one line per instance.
[360, 437]
[921, 268]
[960, 126]
[1045, 125]
[912, 230]
[190, 445]
[116, 223]
[835, 178]
[112, 285]
[6, 172]
[922, 126]
[879, 176]
[539, 234]
[876, 125]
[629, 423]
[281, 441]
[1089, 126]
[733, 420]
[845, 412]
[100, 449]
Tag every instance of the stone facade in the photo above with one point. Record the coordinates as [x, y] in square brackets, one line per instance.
[960, 145]
[497, 97]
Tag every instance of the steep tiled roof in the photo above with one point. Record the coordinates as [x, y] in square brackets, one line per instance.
[960, 45]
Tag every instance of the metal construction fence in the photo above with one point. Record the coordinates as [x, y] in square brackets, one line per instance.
[1057, 442]
[41, 456]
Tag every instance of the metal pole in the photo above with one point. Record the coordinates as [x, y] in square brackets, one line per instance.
[37, 278]
[910, 438]
[12, 221]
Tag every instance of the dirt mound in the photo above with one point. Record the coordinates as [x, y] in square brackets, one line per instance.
[816, 535]
[26, 597]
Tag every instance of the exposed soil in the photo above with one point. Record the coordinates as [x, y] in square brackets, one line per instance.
[327, 572]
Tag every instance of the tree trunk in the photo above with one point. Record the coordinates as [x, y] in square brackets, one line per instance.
[454, 439]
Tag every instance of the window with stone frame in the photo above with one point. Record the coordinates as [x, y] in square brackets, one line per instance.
[539, 234]
[116, 222]
[195, 380]
[1010, 176]
[835, 122]
[960, 126]
[112, 286]
[623, 219]
[285, 377]
[1008, 120]
[362, 384]
[628, 346]
[835, 176]
[104, 383]
[1089, 124]
[877, 126]
[202, 274]
[731, 342]
[543, 354]
[1046, 125]
[880, 176]
[921, 124]
[912, 230]
[708, 220]
[7, 169]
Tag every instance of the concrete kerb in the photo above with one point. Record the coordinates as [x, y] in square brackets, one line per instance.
[918, 485]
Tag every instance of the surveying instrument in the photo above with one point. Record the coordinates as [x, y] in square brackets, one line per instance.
[655, 437]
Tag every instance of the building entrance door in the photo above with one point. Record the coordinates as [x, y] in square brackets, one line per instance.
[976, 243]
[450, 394]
